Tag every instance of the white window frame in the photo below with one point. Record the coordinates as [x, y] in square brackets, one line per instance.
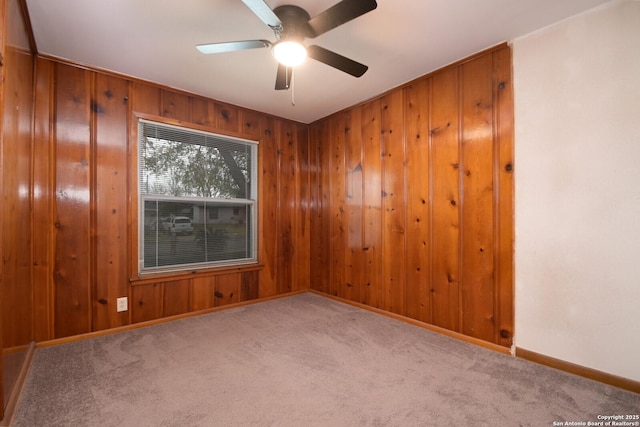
[251, 204]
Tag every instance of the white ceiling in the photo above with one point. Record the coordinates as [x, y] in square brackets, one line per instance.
[401, 40]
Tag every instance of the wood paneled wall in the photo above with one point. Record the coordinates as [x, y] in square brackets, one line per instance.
[412, 200]
[16, 107]
[85, 210]
[403, 203]
[16, 204]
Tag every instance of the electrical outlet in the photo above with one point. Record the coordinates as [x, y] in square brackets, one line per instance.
[122, 304]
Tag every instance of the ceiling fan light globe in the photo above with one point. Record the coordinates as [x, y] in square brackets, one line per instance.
[289, 53]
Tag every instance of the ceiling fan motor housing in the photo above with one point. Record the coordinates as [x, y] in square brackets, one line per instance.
[294, 22]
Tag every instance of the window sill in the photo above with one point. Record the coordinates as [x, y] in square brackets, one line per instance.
[149, 278]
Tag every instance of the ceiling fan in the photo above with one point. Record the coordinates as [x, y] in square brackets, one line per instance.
[291, 25]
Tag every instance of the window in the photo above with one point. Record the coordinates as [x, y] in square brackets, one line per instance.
[198, 194]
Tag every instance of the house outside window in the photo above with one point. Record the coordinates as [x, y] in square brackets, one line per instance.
[198, 196]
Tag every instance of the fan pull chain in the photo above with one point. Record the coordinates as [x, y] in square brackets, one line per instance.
[293, 89]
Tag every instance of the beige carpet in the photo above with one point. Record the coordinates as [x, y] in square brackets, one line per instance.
[303, 360]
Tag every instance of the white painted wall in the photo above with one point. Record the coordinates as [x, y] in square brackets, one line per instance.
[577, 170]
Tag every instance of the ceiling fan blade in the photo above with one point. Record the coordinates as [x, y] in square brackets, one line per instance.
[264, 12]
[232, 46]
[338, 14]
[283, 77]
[335, 60]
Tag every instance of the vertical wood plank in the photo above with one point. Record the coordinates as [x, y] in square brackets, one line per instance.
[175, 105]
[325, 193]
[302, 212]
[5, 377]
[319, 222]
[477, 278]
[503, 95]
[393, 202]
[15, 238]
[110, 107]
[227, 117]
[146, 98]
[372, 198]
[337, 206]
[73, 229]
[250, 124]
[202, 111]
[177, 295]
[268, 216]
[227, 289]
[202, 290]
[43, 190]
[287, 204]
[147, 301]
[315, 223]
[250, 286]
[445, 222]
[354, 255]
[418, 202]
